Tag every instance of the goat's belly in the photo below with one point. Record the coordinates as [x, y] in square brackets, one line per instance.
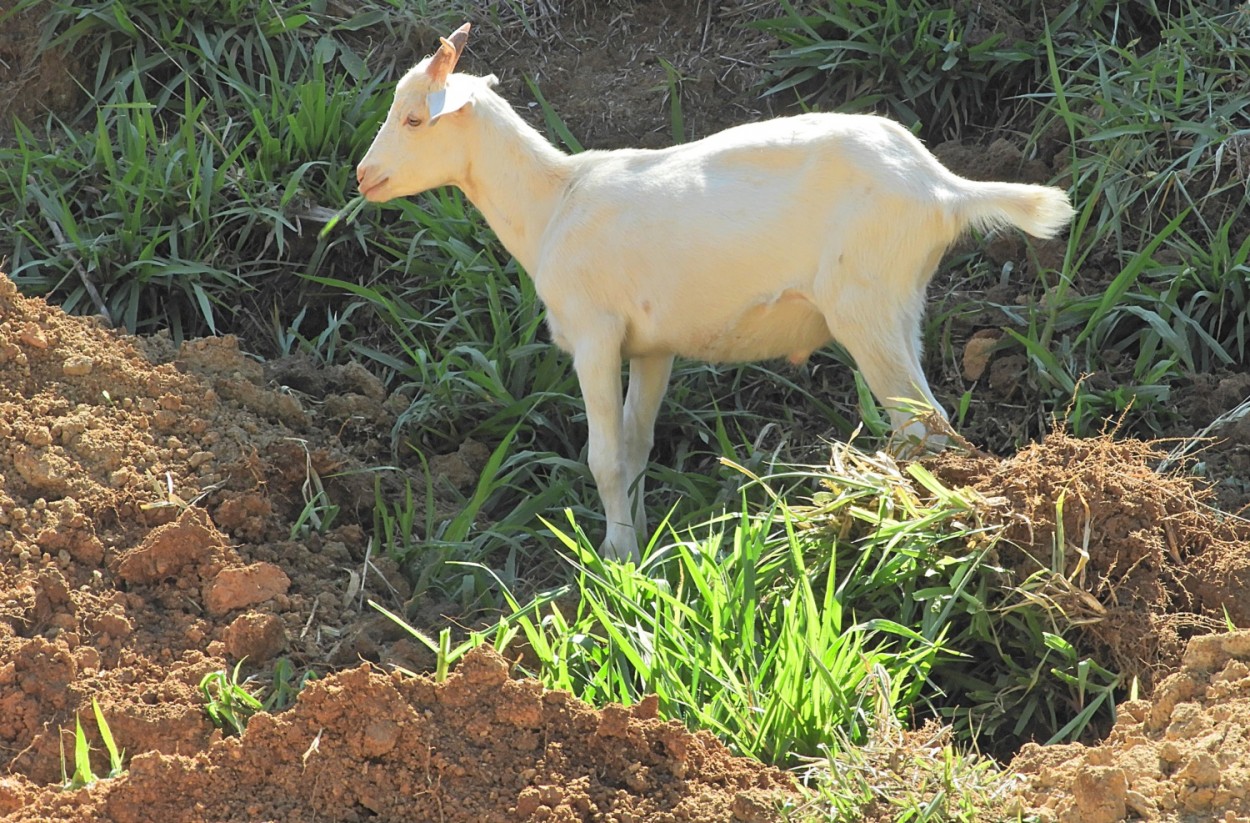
[786, 325]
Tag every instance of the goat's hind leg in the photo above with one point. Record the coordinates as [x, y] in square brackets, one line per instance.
[648, 379]
[883, 336]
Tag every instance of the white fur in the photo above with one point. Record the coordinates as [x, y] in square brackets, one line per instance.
[765, 240]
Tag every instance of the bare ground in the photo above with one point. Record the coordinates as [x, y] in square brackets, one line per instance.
[146, 521]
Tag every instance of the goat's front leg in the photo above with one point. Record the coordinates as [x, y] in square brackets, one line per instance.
[598, 365]
[648, 378]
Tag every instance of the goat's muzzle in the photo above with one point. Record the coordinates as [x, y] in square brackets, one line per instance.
[368, 180]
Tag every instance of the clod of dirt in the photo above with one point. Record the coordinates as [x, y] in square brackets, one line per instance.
[479, 747]
[1182, 757]
[256, 636]
[171, 549]
[977, 352]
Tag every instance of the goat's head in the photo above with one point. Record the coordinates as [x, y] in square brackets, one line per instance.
[421, 144]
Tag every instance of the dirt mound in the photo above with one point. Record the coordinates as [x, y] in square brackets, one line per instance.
[150, 534]
[1182, 756]
[477, 747]
[180, 485]
[1145, 561]
[146, 532]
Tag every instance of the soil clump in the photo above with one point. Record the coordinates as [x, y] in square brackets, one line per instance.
[1182, 756]
[1138, 558]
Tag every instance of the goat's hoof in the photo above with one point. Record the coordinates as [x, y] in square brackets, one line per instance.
[621, 548]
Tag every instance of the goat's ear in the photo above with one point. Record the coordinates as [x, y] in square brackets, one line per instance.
[447, 100]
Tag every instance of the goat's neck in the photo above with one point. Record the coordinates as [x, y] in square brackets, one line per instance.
[516, 179]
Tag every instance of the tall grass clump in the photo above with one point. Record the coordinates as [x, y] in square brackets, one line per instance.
[217, 140]
[787, 627]
[1154, 287]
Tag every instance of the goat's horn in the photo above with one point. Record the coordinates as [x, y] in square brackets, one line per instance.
[448, 54]
[458, 39]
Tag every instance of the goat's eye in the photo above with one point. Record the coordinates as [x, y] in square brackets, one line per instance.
[412, 121]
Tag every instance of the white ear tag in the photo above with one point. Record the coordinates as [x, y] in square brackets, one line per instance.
[442, 102]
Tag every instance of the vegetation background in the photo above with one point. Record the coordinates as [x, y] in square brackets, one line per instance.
[201, 182]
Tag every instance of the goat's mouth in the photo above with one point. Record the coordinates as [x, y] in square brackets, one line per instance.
[370, 189]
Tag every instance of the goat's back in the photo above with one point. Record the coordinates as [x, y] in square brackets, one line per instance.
[734, 247]
[820, 153]
[766, 198]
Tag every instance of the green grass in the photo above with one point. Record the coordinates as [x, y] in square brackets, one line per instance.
[1148, 129]
[83, 774]
[227, 700]
[741, 629]
[196, 178]
[230, 699]
[792, 610]
[763, 624]
[922, 62]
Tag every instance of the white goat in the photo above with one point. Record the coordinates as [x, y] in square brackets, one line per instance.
[765, 240]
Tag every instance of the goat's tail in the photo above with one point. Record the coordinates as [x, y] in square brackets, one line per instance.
[1042, 211]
